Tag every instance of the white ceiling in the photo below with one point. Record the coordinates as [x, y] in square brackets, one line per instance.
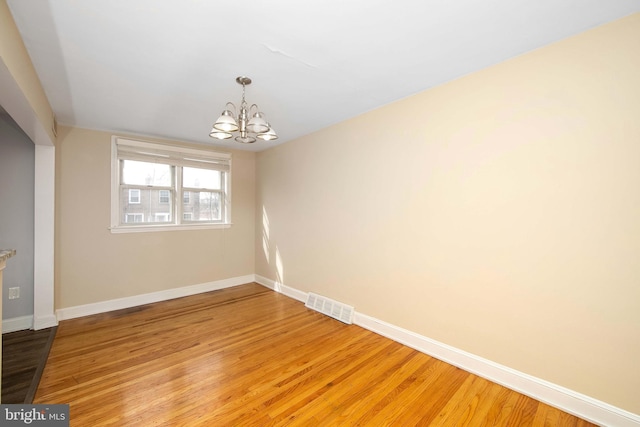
[167, 67]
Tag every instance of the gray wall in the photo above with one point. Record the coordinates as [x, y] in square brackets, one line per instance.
[16, 215]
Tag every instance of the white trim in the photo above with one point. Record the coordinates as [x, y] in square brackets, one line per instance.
[575, 403]
[45, 321]
[136, 300]
[17, 324]
[44, 239]
[283, 289]
[170, 227]
[567, 400]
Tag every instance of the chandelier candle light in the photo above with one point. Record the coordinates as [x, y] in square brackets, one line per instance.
[227, 123]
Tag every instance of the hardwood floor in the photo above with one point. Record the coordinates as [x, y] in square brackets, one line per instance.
[24, 354]
[247, 356]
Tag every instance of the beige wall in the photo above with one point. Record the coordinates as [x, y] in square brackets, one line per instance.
[16, 59]
[93, 265]
[499, 213]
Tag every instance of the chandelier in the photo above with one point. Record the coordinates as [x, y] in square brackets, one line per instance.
[251, 121]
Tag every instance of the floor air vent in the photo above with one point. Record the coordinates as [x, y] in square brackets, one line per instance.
[331, 308]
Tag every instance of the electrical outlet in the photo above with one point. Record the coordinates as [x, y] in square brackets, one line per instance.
[14, 293]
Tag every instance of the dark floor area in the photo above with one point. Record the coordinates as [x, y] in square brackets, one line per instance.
[24, 354]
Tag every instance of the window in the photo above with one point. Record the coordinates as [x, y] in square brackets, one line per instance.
[134, 217]
[164, 196]
[134, 196]
[163, 187]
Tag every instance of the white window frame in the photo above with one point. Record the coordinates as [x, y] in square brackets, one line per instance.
[178, 157]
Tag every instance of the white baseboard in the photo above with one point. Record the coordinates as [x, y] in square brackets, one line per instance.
[43, 322]
[17, 324]
[136, 300]
[572, 402]
[575, 403]
[279, 287]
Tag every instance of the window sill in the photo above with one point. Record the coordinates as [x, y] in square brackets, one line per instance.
[153, 228]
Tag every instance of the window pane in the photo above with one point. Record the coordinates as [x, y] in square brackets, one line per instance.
[148, 208]
[203, 206]
[200, 178]
[143, 173]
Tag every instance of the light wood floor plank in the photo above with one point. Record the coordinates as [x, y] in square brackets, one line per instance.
[247, 356]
